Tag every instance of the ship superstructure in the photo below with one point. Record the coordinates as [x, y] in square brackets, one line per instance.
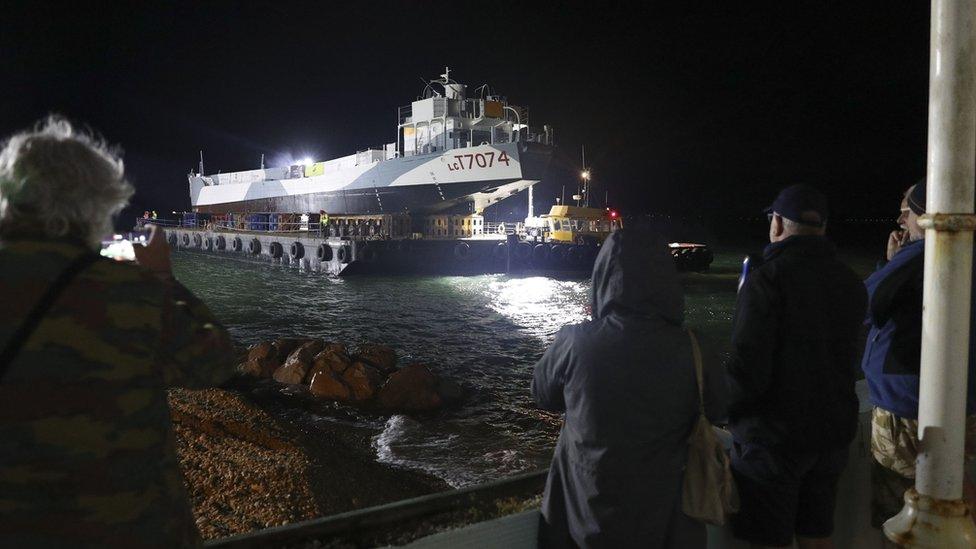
[452, 153]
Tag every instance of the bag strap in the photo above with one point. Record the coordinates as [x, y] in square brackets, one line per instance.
[696, 352]
[33, 319]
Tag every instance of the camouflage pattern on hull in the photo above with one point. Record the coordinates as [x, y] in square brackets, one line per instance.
[423, 184]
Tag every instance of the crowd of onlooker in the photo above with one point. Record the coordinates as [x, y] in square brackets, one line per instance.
[625, 381]
[88, 347]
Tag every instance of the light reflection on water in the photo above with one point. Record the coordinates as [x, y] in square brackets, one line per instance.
[486, 332]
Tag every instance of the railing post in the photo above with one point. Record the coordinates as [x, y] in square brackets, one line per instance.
[935, 514]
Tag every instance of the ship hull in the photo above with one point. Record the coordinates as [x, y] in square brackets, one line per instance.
[443, 182]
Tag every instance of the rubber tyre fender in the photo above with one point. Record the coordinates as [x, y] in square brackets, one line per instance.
[186, 240]
[276, 250]
[324, 253]
[462, 251]
[237, 245]
[540, 254]
[197, 241]
[208, 244]
[522, 251]
[221, 243]
[254, 247]
[297, 250]
[574, 254]
[557, 253]
[500, 251]
[344, 254]
[173, 240]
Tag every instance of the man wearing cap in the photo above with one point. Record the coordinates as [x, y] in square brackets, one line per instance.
[793, 409]
[891, 364]
[903, 234]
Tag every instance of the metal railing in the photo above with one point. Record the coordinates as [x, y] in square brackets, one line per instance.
[375, 524]
[286, 224]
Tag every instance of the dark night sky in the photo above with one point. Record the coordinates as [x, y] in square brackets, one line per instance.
[702, 110]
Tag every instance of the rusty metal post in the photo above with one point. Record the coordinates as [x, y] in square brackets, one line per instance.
[935, 514]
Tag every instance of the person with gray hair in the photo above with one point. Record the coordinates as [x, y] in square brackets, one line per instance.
[88, 347]
[60, 183]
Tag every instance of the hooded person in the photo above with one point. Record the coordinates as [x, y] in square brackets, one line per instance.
[626, 383]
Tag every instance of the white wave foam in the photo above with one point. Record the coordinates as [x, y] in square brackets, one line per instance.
[403, 443]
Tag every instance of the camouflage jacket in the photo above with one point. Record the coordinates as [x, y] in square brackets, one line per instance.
[87, 454]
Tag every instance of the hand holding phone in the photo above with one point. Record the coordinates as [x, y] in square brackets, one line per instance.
[896, 240]
[154, 255]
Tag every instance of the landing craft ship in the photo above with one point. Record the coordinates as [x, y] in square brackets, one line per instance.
[414, 205]
[451, 151]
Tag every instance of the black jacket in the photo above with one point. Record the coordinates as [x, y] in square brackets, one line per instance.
[626, 382]
[795, 337]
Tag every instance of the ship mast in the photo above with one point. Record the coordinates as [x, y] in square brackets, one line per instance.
[583, 197]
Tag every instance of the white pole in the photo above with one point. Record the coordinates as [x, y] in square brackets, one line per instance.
[934, 515]
[531, 207]
[948, 250]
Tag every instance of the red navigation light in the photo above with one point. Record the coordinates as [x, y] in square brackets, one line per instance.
[613, 213]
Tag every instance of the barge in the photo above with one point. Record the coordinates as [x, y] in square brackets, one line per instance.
[563, 242]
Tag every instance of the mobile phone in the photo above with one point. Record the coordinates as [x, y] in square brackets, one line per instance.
[749, 263]
[120, 246]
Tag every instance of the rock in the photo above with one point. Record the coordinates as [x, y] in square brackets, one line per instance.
[326, 384]
[306, 351]
[291, 373]
[329, 359]
[379, 356]
[339, 348]
[363, 380]
[412, 389]
[295, 369]
[285, 345]
[449, 391]
[260, 361]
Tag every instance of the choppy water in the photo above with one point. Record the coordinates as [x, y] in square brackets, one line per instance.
[485, 332]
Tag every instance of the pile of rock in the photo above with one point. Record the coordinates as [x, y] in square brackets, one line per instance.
[369, 376]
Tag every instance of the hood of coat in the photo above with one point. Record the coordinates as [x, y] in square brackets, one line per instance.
[634, 274]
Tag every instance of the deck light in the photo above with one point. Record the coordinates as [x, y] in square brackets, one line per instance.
[585, 175]
[307, 161]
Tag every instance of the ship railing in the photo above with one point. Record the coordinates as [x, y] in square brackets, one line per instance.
[262, 226]
[544, 137]
[404, 112]
[501, 228]
[340, 228]
[142, 222]
[226, 225]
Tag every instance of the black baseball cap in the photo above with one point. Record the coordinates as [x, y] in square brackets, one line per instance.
[916, 198]
[795, 200]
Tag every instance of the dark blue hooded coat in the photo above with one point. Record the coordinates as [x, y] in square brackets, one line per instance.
[626, 383]
[893, 353]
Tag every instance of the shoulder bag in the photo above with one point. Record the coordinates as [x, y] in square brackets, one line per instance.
[708, 493]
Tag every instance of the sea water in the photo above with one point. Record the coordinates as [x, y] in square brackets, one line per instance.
[485, 332]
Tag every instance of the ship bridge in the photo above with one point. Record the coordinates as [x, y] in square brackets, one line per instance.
[445, 118]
